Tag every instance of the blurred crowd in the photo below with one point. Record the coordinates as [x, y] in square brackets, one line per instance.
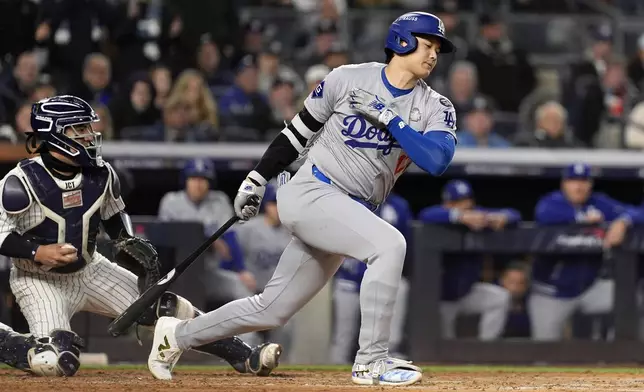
[200, 70]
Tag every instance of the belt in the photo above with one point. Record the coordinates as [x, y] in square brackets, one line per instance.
[322, 177]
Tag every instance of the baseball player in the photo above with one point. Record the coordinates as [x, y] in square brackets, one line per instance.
[461, 290]
[373, 120]
[346, 289]
[51, 209]
[198, 202]
[565, 284]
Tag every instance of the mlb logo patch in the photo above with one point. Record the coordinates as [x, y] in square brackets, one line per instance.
[319, 91]
[72, 199]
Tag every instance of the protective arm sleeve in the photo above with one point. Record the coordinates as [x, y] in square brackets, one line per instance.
[432, 152]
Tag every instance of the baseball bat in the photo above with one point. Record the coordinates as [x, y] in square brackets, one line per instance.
[145, 300]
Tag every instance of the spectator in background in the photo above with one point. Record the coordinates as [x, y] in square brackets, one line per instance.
[515, 280]
[145, 35]
[161, 78]
[19, 85]
[636, 65]
[70, 30]
[497, 60]
[337, 55]
[634, 130]
[42, 91]
[313, 77]
[253, 32]
[134, 106]
[16, 131]
[95, 84]
[479, 127]
[447, 11]
[105, 125]
[619, 97]
[17, 25]
[282, 102]
[209, 63]
[583, 92]
[463, 86]
[271, 69]
[461, 290]
[190, 88]
[550, 129]
[326, 33]
[245, 112]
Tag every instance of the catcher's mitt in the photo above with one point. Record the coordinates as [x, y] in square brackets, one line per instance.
[140, 257]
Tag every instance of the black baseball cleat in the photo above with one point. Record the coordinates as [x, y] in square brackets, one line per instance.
[263, 359]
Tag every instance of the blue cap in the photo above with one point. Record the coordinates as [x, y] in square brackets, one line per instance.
[457, 190]
[578, 171]
[199, 167]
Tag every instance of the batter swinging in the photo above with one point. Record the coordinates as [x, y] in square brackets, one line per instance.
[373, 120]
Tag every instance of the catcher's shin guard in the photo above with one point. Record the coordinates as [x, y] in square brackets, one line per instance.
[233, 350]
[14, 348]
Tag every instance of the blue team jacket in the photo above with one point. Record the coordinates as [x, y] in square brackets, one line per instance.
[397, 212]
[460, 271]
[569, 276]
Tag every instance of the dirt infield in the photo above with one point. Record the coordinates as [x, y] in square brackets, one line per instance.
[94, 380]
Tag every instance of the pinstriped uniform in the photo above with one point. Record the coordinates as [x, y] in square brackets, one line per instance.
[48, 299]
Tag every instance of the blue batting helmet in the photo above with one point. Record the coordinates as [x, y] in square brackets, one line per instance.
[199, 167]
[52, 117]
[404, 28]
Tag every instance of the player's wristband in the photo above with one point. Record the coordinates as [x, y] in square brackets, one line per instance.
[16, 246]
[386, 116]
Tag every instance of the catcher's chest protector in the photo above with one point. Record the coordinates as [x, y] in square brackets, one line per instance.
[74, 212]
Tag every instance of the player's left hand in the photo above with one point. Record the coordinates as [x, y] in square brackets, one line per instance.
[371, 106]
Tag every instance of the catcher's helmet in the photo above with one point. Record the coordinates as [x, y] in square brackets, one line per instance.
[50, 119]
[199, 167]
[404, 28]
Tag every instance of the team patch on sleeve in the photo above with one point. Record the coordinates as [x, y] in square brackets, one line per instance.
[319, 91]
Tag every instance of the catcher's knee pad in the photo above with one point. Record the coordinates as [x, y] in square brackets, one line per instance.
[14, 349]
[56, 355]
[169, 305]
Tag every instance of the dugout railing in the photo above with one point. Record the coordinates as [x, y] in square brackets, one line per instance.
[433, 242]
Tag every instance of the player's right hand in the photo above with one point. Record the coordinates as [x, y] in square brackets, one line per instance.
[55, 255]
[475, 220]
[249, 197]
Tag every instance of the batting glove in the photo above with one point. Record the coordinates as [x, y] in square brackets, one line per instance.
[371, 106]
[248, 199]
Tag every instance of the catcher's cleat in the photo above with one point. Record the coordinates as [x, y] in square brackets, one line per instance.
[165, 352]
[264, 359]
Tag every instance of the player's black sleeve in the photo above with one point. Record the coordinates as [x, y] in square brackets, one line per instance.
[118, 226]
[287, 146]
[15, 245]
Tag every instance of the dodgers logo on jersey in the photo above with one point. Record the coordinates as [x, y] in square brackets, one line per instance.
[319, 91]
[364, 135]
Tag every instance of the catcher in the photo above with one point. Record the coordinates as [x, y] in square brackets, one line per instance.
[51, 207]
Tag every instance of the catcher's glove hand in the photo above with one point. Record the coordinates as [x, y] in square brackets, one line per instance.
[140, 257]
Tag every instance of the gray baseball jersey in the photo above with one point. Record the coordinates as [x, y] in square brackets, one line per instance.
[358, 157]
[327, 225]
[262, 246]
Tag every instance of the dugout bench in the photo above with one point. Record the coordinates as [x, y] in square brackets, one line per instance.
[432, 242]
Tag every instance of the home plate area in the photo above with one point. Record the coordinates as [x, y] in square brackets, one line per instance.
[452, 378]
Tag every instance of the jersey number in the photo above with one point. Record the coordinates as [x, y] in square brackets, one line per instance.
[402, 164]
[449, 118]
